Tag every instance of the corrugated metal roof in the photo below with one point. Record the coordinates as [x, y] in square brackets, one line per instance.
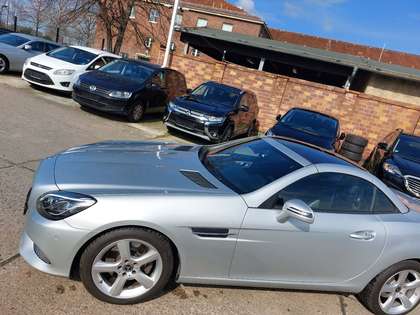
[308, 52]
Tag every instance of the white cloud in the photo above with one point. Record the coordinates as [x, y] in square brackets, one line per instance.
[247, 5]
[292, 9]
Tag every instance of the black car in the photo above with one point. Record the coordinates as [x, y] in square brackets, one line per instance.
[129, 87]
[309, 126]
[215, 112]
[396, 161]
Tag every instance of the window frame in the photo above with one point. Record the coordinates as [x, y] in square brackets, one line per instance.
[269, 203]
[229, 25]
[153, 18]
[202, 19]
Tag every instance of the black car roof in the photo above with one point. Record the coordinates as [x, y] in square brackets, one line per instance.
[240, 91]
[143, 63]
[312, 111]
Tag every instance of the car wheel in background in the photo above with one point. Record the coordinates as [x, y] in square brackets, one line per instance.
[127, 265]
[394, 291]
[356, 157]
[357, 140]
[4, 64]
[227, 134]
[136, 112]
[353, 147]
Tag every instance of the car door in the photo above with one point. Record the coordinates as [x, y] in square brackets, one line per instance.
[344, 240]
[157, 92]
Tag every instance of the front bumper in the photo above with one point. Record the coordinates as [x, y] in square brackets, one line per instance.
[50, 246]
[211, 131]
[99, 102]
[46, 79]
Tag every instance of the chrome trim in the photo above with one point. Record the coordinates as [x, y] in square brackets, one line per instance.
[412, 183]
[187, 131]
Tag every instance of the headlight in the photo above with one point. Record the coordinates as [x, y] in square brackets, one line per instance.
[269, 133]
[63, 72]
[120, 94]
[172, 105]
[392, 169]
[58, 205]
[214, 119]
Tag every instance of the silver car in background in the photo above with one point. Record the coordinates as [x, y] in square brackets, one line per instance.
[127, 217]
[15, 48]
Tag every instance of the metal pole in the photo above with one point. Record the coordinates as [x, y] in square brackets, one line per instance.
[7, 16]
[170, 34]
[57, 35]
[15, 24]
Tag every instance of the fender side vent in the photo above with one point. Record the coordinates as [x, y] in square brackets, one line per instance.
[197, 178]
[184, 148]
[211, 232]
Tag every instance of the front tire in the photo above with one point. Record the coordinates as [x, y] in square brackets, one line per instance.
[4, 64]
[127, 265]
[136, 112]
[394, 291]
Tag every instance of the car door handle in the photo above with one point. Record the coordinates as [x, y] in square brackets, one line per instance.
[363, 235]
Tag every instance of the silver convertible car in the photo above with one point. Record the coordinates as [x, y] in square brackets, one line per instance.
[128, 217]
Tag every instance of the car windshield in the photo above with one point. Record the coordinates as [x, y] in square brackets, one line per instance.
[72, 55]
[216, 95]
[248, 166]
[310, 122]
[13, 40]
[132, 70]
[408, 147]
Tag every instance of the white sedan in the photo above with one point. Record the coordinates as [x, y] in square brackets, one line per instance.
[60, 68]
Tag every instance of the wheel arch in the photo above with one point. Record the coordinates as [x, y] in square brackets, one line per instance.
[7, 61]
[74, 269]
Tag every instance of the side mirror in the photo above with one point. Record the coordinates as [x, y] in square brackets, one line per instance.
[27, 47]
[243, 108]
[383, 146]
[342, 136]
[96, 67]
[189, 91]
[278, 117]
[297, 209]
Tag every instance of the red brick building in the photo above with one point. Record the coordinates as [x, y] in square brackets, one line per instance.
[146, 34]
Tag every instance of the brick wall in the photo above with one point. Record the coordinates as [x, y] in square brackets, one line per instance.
[359, 113]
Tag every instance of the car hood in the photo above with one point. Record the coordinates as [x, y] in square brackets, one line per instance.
[406, 166]
[55, 63]
[208, 109]
[110, 81]
[126, 167]
[285, 131]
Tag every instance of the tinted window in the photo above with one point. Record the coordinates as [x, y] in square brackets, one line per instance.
[217, 95]
[128, 69]
[37, 46]
[13, 40]
[97, 64]
[331, 192]
[312, 123]
[408, 147]
[383, 204]
[49, 47]
[73, 55]
[159, 79]
[249, 166]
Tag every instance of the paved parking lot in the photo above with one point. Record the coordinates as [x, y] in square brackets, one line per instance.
[34, 124]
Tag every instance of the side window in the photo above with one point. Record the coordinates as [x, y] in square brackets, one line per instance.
[49, 47]
[108, 59]
[331, 192]
[159, 79]
[97, 64]
[245, 101]
[383, 204]
[38, 46]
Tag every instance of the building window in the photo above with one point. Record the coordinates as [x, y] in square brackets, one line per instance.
[133, 13]
[227, 27]
[153, 15]
[178, 20]
[195, 52]
[148, 42]
[201, 22]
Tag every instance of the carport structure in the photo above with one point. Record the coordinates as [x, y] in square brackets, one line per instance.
[312, 64]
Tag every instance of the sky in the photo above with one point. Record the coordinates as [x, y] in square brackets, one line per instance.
[394, 24]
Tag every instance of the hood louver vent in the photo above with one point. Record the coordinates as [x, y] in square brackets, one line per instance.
[197, 178]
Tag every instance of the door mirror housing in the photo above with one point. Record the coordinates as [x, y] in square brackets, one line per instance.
[278, 117]
[27, 47]
[342, 136]
[297, 209]
[383, 146]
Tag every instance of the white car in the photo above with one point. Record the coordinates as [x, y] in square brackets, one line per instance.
[60, 68]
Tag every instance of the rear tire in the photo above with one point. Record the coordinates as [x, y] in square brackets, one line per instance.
[375, 295]
[136, 112]
[352, 147]
[357, 140]
[4, 64]
[356, 157]
[143, 272]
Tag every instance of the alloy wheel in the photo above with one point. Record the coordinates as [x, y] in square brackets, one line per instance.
[400, 293]
[137, 112]
[126, 268]
[3, 64]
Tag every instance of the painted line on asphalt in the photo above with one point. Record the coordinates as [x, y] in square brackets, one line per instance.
[151, 131]
[9, 260]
